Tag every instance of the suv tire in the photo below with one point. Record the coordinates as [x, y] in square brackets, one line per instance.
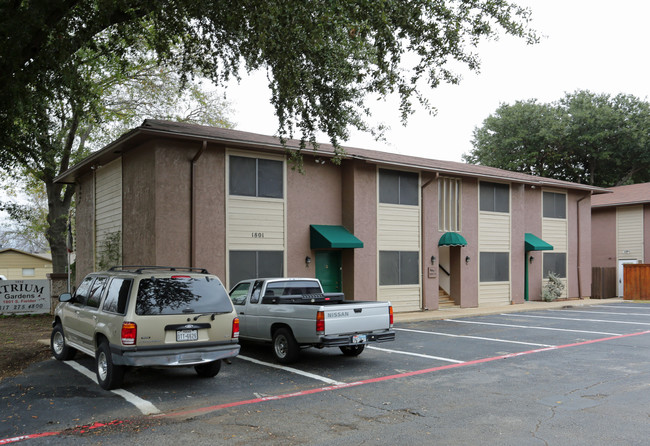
[60, 348]
[209, 369]
[109, 375]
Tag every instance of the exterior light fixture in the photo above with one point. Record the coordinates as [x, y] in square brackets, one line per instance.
[433, 260]
[467, 259]
[531, 259]
[307, 260]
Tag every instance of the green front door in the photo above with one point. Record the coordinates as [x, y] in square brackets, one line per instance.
[328, 270]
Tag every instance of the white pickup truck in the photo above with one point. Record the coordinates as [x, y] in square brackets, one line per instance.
[294, 313]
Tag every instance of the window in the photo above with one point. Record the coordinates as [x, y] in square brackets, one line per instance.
[181, 295]
[449, 204]
[554, 205]
[81, 295]
[253, 177]
[117, 296]
[252, 264]
[29, 272]
[555, 262]
[495, 197]
[397, 187]
[238, 295]
[398, 268]
[96, 291]
[494, 267]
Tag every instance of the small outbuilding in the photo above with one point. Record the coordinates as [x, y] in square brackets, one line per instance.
[21, 265]
[620, 232]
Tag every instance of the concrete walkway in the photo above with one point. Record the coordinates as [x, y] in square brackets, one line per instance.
[457, 312]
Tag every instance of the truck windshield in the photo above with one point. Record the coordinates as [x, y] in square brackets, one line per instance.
[293, 287]
[184, 295]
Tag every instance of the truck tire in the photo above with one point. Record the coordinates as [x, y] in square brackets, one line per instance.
[109, 375]
[285, 347]
[60, 348]
[352, 350]
[208, 369]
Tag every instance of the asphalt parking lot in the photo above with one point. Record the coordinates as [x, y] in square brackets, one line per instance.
[574, 375]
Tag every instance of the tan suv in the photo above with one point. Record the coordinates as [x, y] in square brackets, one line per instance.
[147, 316]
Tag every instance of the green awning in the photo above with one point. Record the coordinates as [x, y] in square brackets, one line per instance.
[329, 236]
[452, 239]
[534, 243]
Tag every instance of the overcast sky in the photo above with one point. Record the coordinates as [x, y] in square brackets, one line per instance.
[596, 45]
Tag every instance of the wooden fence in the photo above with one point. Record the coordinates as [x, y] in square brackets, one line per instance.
[603, 283]
[636, 280]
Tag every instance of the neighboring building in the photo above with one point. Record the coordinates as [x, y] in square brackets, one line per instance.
[379, 226]
[20, 265]
[621, 229]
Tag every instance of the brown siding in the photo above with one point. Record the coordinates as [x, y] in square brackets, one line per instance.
[84, 224]
[138, 207]
[173, 202]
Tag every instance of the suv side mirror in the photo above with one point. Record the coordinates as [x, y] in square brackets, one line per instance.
[65, 297]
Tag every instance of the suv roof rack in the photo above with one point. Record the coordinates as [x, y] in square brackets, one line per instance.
[139, 268]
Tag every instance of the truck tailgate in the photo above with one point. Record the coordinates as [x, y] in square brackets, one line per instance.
[356, 317]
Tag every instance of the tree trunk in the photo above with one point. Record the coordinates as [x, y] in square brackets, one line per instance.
[57, 219]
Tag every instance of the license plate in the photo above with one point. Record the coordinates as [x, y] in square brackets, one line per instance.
[187, 335]
[359, 339]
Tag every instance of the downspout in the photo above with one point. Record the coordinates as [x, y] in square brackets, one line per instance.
[193, 205]
[578, 263]
[424, 307]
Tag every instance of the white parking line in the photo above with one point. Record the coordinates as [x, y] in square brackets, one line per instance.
[575, 319]
[473, 337]
[420, 355]
[603, 312]
[291, 370]
[144, 406]
[532, 327]
[626, 306]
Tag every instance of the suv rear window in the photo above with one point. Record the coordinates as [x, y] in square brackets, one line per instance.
[181, 295]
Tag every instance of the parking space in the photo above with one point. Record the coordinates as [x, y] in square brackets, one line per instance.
[55, 396]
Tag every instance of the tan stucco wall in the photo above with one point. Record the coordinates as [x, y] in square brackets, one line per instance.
[579, 234]
[603, 237]
[312, 198]
[469, 270]
[518, 208]
[430, 237]
[210, 213]
[360, 217]
[533, 224]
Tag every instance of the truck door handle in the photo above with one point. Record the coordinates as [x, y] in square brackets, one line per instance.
[241, 312]
[358, 310]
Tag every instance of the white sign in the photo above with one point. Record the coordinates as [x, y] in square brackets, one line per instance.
[24, 296]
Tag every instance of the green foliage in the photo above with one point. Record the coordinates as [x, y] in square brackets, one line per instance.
[553, 289]
[110, 253]
[322, 57]
[584, 137]
[27, 222]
